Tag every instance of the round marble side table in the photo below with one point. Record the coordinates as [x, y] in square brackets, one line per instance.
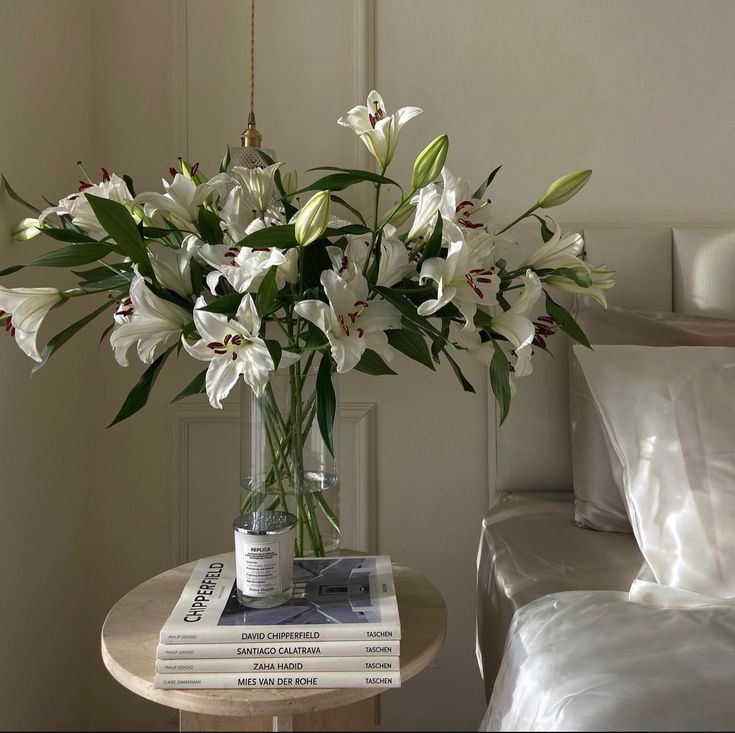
[130, 636]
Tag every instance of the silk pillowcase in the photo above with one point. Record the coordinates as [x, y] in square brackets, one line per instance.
[670, 416]
[598, 489]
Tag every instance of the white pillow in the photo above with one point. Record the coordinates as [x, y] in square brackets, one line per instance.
[597, 487]
[670, 417]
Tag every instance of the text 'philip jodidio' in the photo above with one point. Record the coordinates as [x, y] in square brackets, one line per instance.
[204, 592]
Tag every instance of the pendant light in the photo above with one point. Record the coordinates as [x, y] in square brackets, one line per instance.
[250, 153]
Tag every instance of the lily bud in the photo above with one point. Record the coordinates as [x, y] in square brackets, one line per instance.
[561, 190]
[290, 181]
[401, 214]
[26, 229]
[430, 162]
[311, 221]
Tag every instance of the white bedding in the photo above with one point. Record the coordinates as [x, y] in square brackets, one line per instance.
[593, 660]
[530, 546]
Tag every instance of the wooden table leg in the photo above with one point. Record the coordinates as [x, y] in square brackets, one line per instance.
[359, 716]
[283, 722]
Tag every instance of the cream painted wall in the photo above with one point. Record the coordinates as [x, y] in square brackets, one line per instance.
[638, 91]
[44, 129]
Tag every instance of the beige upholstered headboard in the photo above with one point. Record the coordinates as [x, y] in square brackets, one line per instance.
[685, 269]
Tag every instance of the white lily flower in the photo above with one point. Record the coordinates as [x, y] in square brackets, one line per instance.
[466, 278]
[233, 347]
[349, 262]
[394, 263]
[258, 183]
[78, 208]
[172, 266]
[602, 279]
[25, 229]
[427, 202]
[378, 130]
[150, 322]
[515, 323]
[557, 252]
[244, 268]
[457, 204]
[180, 204]
[351, 322]
[23, 310]
[236, 216]
[454, 203]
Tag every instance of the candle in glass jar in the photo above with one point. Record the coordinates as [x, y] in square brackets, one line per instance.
[264, 553]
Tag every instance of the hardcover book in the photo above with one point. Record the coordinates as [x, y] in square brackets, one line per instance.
[184, 652]
[279, 664]
[226, 681]
[335, 599]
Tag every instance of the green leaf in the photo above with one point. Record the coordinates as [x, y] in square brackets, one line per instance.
[104, 333]
[434, 244]
[13, 195]
[283, 236]
[275, 350]
[129, 183]
[480, 192]
[160, 232]
[196, 386]
[73, 255]
[138, 396]
[546, 233]
[483, 320]
[580, 277]
[343, 180]
[315, 259]
[114, 282]
[500, 380]
[209, 228]
[315, 339]
[564, 319]
[466, 384]
[362, 175]
[326, 402]
[117, 221]
[226, 159]
[102, 273]
[227, 304]
[412, 344]
[349, 229]
[267, 291]
[10, 270]
[372, 363]
[349, 207]
[407, 309]
[68, 235]
[61, 338]
[439, 343]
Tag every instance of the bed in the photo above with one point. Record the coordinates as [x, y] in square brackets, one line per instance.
[559, 644]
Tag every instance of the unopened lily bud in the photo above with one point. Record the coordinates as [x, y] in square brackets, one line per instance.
[26, 229]
[311, 221]
[561, 190]
[402, 213]
[290, 181]
[430, 162]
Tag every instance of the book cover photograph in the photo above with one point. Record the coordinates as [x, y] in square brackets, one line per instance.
[341, 598]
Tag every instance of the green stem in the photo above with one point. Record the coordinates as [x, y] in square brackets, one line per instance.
[520, 218]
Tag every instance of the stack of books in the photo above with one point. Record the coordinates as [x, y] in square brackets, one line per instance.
[340, 629]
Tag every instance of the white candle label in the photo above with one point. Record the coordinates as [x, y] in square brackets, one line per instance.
[262, 570]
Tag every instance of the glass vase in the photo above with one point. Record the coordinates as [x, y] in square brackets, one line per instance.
[285, 463]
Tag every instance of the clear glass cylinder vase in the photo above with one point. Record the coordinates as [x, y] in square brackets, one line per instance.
[285, 463]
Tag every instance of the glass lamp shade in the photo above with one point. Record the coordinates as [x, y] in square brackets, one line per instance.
[249, 157]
